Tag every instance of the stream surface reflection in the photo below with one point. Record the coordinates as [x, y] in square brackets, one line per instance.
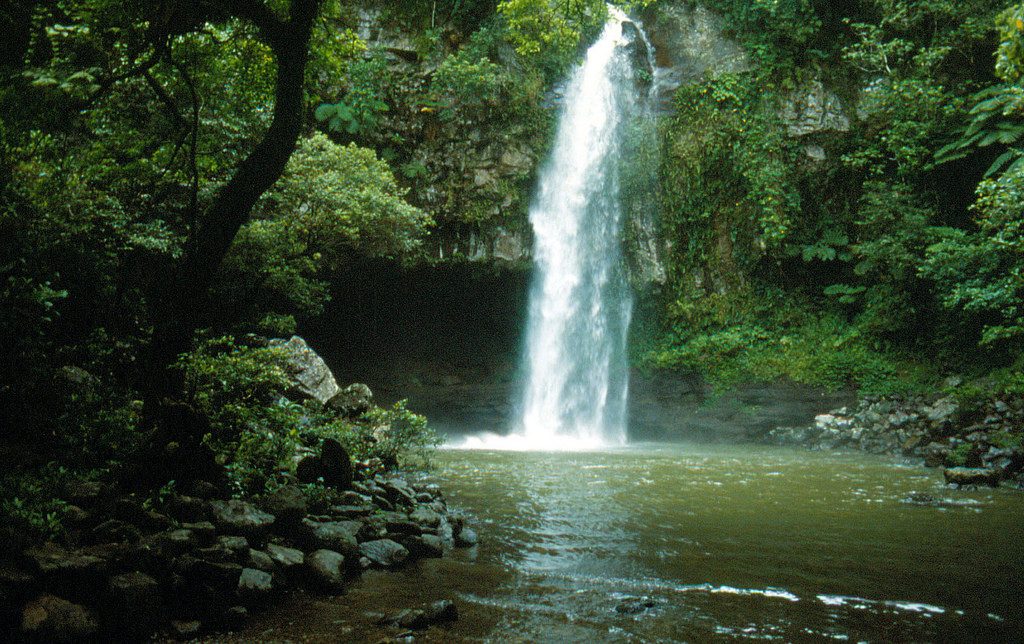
[668, 543]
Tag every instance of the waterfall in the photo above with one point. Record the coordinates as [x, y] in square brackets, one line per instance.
[574, 365]
[575, 368]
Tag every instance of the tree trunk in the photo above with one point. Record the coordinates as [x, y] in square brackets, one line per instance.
[185, 293]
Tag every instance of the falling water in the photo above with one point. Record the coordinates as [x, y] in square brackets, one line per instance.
[574, 368]
[575, 359]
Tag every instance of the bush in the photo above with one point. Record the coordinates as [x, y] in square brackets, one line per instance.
[256, 431]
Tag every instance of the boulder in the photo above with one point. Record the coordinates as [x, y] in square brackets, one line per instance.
[188, 508]
[466, 538]
[78, 574]
[438, 612]
[255, 586]
[288, 559]
[635, 605]
[961, 476]
[311, 377]
[425, 545]
[425, 517]
[326, 569]
[116, 531]
[813, 109]
[352, 401]
[52, 619]
[287, 504]
[260, 561]
[339, 536]
[135, 603]
[333, 465]
[384, 553]
[242, 518]
[399, 492]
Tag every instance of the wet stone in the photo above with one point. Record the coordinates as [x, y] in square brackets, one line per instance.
[384, 552]
[326, 569]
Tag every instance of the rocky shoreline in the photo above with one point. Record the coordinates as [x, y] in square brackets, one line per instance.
[201, 563]
[978, 446]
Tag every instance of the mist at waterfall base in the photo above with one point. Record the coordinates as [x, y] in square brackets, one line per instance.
[574, 367]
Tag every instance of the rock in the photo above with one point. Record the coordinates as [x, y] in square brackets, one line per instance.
[235, 617]
[87, 494]
[260, 561]
[941, 410]
[203, 589]
[352, 401]
[339, 536]
[399, 492]
[384, 552]
[927, 500]
[425, 517]
[255, 586]
[961, 476]
[204, 490]
[353, 498]
[935, 454]
[352, 511]
[335, 465]
[135, 602]
[116, 531]
[426, 545]
[332, 465]
[308, 469]
[439, 612]
[188, 508]
[78, 574]
[227, 549]
[311, 376]
[289, 559]
[52, 619]
[186, 629]
[813, 109]
[242, 518]
[635, 605]
[466, 538]
[287, 504]
[327, 569]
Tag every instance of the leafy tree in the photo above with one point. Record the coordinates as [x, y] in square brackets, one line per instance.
[332, 203]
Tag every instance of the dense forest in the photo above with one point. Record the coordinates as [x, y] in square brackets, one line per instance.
[839, 204]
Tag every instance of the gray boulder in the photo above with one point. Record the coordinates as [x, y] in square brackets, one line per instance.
[285, 557]
[961, 476]
[339, 536]
[242, 518]
[287, 504]
[135, 601]
[384, 552]
[352, 401]
[326, 569]
[255, 586]
[311, 377]
[52, 619]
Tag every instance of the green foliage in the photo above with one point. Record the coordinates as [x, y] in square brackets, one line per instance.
[995, 120]
[1010, 54]
[726, 161]
[751, 336]
[395, 435]
[548, 33]
[332, 203]
[30, 503]
[959, 455]
[982, 273]
[358, 113]
[256, 431]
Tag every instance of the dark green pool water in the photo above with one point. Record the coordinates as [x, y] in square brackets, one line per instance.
[706, 543]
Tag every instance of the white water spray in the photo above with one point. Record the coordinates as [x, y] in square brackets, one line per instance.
[575, 370]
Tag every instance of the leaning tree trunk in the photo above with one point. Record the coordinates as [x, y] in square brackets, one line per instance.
[186, 291]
